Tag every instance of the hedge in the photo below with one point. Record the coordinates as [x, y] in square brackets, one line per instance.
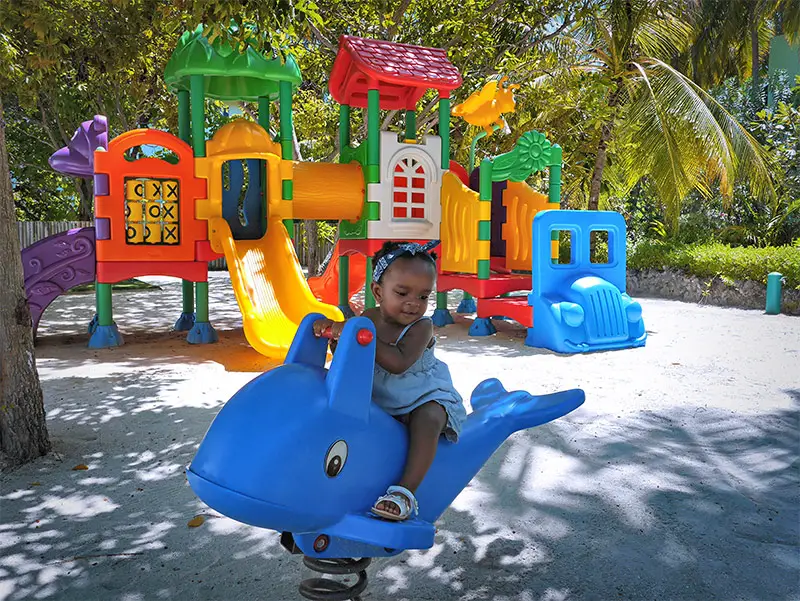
[715, 259]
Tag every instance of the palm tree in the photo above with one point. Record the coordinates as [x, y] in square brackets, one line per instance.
[661, 125]
[731, 37]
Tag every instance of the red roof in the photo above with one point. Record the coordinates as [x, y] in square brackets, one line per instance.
[401, 72]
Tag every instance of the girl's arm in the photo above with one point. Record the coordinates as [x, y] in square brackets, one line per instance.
[397, 359]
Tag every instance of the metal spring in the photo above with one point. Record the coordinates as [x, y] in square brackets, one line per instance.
[326, 589]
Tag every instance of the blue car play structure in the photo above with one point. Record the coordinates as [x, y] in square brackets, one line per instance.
[582, 306]
[303, 450]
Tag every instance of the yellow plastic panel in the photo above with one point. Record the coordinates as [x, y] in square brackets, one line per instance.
[461, 212]
[270, 287]
[327, 191]
[522, 204]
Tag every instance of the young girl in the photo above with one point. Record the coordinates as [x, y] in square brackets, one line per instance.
[410, 383]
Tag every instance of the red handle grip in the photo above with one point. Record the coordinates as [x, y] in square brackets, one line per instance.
[363, 336]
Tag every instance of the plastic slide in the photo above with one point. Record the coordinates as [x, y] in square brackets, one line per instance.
[270, 287]
[55, 264]
[326, 286]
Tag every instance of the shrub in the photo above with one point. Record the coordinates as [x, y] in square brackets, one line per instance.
[715, 259]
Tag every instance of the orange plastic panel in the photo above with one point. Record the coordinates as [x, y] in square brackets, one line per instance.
[151, 202]
[117, 271]
[461, 211]
[522, 204]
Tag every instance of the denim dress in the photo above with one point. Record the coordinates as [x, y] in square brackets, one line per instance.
[428, 379]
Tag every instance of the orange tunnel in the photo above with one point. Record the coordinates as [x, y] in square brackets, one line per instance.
[327, 191]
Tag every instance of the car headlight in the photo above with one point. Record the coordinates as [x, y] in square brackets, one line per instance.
[572, 314]
[634, 312]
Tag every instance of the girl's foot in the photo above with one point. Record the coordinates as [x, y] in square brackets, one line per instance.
[397, 504]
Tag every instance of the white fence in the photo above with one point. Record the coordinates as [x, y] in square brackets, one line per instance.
[33, 231]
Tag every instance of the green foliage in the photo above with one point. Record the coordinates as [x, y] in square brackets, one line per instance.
[716, 259]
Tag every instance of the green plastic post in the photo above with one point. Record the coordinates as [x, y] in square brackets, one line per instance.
[184, 117]
[202, 302]
[441, 300]
[467, 295]
[344, 280]
[473, 146]
[104, 313]
[185, 134]
[285, 95]
[263, 112]
[263, 121]
[369, 298]
[554, 195]
[373, 128]
[411, 125]
[444, 130]
[485, 226]
[486, 180]
[198, 102]
[554, 191]
[774, 284]
[344, 129]
[188, 296]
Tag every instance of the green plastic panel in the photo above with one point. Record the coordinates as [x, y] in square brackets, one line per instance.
[353, 231]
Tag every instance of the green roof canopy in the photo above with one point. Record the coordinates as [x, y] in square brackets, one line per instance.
[228, 75]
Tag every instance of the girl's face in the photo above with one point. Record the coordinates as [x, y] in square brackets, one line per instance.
[404, 289]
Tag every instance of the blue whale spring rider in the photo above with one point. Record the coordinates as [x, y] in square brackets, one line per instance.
[302, 450]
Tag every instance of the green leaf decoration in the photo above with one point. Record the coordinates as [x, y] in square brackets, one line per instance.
[227, 74]
[532, 153]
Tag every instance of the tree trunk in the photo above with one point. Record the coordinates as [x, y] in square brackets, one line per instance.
[312, 239]
[85, 191]
[754, 57]
[599, 166]
[602, 148]
[23, 430]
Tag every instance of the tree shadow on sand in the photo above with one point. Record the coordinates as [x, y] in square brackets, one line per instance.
[690, 504]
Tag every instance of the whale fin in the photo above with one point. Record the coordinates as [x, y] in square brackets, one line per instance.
[527, 411]
[486, 393]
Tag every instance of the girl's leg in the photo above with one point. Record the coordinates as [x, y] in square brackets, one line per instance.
[425, 426]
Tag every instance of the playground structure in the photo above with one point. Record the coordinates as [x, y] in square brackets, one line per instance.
[236, 195]
[254, 467]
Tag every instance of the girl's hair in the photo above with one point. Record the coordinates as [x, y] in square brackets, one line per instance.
[391, 245]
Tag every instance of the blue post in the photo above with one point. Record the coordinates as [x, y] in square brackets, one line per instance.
[774, 283]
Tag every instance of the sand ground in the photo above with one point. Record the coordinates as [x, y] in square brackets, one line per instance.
[678, 479]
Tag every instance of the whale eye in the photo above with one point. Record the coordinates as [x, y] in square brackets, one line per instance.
[336, 458]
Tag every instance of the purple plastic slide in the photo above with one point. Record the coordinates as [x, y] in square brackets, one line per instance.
[77, 158]
[54, 265]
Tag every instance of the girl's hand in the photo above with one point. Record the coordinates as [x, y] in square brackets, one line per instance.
[321, 325]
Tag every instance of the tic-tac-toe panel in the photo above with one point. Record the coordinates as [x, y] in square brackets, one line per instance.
[145, 208]
[152, 211]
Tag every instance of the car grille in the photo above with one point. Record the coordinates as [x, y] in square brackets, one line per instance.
[606, 320]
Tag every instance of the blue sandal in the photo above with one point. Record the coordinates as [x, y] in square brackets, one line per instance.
[402, 497]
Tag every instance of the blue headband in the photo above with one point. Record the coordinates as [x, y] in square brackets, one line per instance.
[410, 248]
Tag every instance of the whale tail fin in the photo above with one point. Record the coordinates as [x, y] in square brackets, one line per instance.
[521, 409]
[486, 393]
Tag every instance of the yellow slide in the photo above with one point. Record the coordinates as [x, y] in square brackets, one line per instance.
[270, 287]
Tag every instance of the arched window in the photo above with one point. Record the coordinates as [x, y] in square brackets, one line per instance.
[410, 183]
